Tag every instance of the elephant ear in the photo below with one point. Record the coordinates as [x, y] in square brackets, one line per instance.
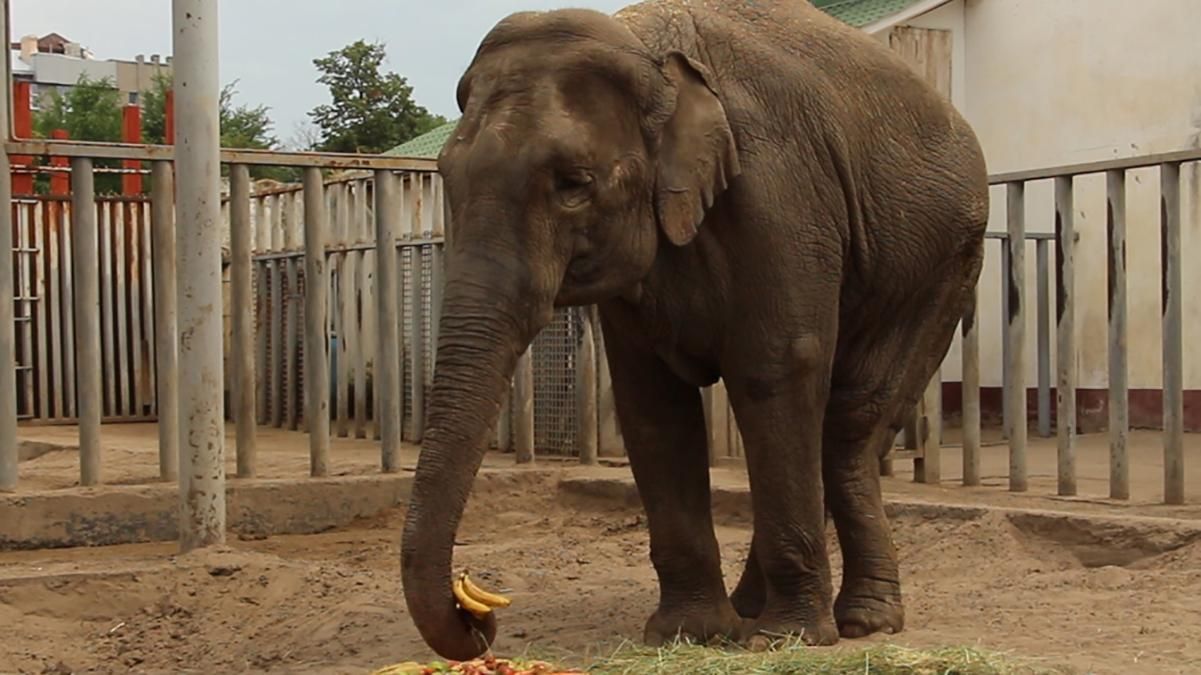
[697, 156]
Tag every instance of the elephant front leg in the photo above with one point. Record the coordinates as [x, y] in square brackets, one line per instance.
[663, 425]
[781, 419]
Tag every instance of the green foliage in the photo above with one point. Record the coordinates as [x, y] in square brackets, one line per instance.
[370, 111]
[89, 111]
[242, 126]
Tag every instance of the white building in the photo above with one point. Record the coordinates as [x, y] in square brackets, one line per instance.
[1055, 82]
[54, 63]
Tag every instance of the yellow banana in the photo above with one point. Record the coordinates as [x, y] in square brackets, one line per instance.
[478, 609]
[477, 593]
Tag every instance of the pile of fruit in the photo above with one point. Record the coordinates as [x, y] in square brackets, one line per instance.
[485, 666]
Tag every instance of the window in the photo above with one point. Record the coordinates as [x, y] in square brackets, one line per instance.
[133, 98]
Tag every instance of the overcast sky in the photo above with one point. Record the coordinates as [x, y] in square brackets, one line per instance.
[269, 45]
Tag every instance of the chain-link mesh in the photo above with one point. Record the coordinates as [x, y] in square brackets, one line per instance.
[406, 313]
[554, 354]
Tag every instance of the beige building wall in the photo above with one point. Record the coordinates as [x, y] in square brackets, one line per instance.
[1047, 83]
[1071, 81]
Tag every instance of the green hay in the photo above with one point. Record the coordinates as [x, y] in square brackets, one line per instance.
[788, 657]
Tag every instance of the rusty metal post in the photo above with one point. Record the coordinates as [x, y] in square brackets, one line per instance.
[243, 319]
[585, 386]
[316, 345]
[971, 393]
[86, 280]
[8, 347]
[1043, 337]
[1016, 330]
[523, 407]
[166, 345]
[387, 356]
[1119, 412]
[198, 233]
[1065, 333]
[1173, 340]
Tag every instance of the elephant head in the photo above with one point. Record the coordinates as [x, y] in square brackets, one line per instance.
[578, 152]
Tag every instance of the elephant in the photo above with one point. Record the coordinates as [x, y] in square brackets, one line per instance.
[748, 191]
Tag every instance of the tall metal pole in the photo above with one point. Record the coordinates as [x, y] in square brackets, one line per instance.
[166, 315]
[8, 352]
[243, 319]
[198, 236]
[387, 360]
[86, 278]
[316, 340]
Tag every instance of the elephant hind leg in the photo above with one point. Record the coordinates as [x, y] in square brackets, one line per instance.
[867, 404]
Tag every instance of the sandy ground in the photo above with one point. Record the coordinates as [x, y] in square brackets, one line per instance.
[581, 582]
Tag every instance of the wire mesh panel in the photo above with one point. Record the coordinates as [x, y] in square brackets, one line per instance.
[554, 356]
[406, 312]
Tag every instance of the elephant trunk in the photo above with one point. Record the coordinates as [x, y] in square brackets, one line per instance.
[489, 317]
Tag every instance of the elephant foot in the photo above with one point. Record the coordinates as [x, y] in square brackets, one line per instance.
[815, 633]
[695, 626]
[748, 600]
[869, 606]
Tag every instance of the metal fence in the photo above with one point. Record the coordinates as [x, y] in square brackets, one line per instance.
[352, 353]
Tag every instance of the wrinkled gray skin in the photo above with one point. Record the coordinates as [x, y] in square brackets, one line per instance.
[748, 190]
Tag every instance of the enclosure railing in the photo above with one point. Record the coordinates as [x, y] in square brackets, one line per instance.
[1014, 290]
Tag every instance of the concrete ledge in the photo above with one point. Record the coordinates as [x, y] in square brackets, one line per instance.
[134, 514]
[1096, 540]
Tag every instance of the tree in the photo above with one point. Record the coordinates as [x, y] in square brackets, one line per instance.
[242, 126]
[370, 111]
[88, 111]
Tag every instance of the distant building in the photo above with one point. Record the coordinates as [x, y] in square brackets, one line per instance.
[54, 63]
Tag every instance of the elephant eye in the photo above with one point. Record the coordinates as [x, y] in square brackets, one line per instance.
[574, 187]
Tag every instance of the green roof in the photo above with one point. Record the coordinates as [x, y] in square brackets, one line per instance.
[858, 13]
[427, 145]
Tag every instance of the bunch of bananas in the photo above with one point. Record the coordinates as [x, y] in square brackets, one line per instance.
[474, 599]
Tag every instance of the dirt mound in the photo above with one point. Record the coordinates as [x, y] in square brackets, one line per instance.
[581, 583]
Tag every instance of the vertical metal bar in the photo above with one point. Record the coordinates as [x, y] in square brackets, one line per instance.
[1016, 330]
[1065, 334]
[504, 426]
[586, 389]
[1173, 340]
[437, 288]
[166, 346]
[927, 468]
[119, 304]
[417, 347]
[87, 318]
[280, 279]
[1119, 413]
[1043, 272]
[108, 345]
[198, 172]
[243, 319]
[8, 338]
[67, 253]
[1005, 362]
[709, 403]
[971, 393]
[523, 407]
[387, 359]
[316, 344]
[364, 292]
[261, 331]
[288, 389]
